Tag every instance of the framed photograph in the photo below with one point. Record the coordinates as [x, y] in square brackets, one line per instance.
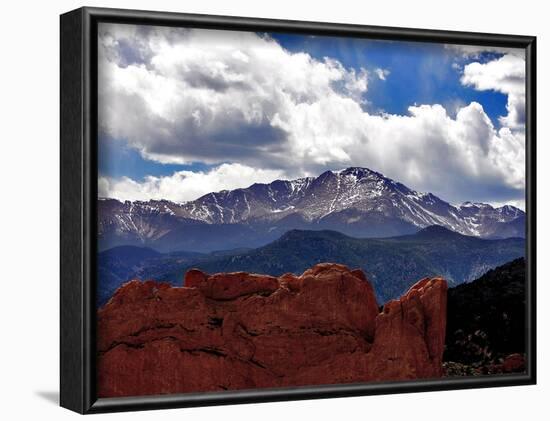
[256, 210]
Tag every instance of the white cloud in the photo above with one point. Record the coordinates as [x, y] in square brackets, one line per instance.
[197, 95]
[185, 185]
[505, 75]
[475, 51]
[205, 97]
[520, 204]
[381, 73]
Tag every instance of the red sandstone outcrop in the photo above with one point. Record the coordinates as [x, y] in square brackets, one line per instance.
[243, 331]
[514, 363]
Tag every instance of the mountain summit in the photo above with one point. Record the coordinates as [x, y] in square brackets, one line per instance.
[355, 201]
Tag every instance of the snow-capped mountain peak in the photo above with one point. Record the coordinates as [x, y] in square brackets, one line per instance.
[357, 201]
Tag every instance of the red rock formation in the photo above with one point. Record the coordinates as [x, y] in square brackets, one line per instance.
[514, 363]
[242, 331]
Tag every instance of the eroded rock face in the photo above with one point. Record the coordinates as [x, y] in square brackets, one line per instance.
[243, 331]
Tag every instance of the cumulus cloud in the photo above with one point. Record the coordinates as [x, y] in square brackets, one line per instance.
[183, 186]
[505, 75]
[181, 96]
[209, 96]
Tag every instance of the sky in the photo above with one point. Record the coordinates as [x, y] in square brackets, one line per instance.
[183, 112]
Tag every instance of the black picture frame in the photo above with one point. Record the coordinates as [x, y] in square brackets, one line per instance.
[78, 97]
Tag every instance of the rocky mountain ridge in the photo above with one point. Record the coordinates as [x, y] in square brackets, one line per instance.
[355, 201]
[391, 263]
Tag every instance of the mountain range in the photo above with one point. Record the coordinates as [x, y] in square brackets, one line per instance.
[355, 201]
[392, 264]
